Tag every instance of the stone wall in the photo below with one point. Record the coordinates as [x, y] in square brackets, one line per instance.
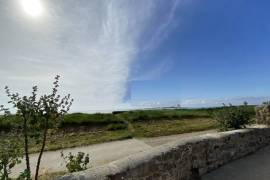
[181, 160]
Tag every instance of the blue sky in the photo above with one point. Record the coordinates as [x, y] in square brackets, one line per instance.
[219, 49]
[116, 54]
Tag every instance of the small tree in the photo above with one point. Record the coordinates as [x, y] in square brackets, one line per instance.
[37, 115]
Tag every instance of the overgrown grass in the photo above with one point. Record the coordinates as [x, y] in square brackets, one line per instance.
[133, 116]
[103, 120]
[137, 129]
[157, 115]
[97, 119]
[69, 140]
[81, 129]
[169, 127]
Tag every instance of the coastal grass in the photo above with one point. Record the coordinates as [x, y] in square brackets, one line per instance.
[169, 127]
[79, 129]
[70, 140]
[138, 129]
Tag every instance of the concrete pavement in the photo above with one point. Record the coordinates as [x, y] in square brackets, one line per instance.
[101, 154]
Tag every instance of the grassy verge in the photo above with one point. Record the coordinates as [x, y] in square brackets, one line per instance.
[80, 129]
[167, 127]
[81, 139]
[138, 129]
[70, 139]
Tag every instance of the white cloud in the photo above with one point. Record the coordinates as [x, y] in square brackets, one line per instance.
[91, 44]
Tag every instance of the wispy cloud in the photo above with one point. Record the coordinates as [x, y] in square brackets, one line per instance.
[91, 44]
[156, 71]
[163, 30]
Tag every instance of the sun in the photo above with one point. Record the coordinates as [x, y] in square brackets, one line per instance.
[33, 8]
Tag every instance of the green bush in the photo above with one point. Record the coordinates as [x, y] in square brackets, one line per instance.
[75, 163]
[263, 113]
[9, 122]
[10, 154]
[10, 147]
[233, 117]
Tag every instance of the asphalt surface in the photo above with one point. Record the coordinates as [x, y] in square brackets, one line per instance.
[252, 167]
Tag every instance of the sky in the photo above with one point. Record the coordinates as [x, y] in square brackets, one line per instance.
[118, 54]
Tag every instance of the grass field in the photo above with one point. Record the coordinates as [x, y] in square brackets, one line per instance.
[80, 129]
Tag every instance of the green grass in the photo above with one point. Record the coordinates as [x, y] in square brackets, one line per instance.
[80, 129]
[137, 129]
[97, 119]
[167, 127]
[157, 115]
[81, 139]
[103, 120]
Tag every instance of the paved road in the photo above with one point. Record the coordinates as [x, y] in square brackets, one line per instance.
[253, 167]
[102, 153]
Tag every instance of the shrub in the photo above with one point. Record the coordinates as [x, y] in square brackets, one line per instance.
[10, 154]
[75, 163]
[263, 113]
[10, 149]
[233, 117]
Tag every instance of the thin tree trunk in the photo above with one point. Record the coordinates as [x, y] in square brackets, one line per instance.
[5, 173]
[42, 148]
[26, 148]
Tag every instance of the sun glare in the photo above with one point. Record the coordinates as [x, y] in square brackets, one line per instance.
[33, 8]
